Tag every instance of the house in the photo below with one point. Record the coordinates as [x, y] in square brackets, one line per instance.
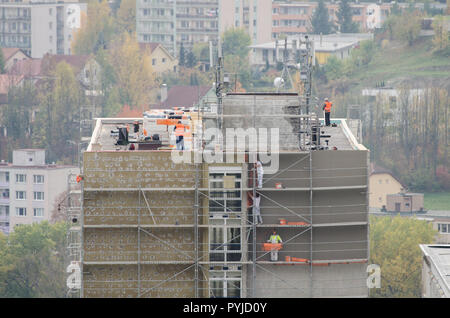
[12, 55]
[6, 82]
[161, 59]
[183, 96]
[404, 202]
[381, 184]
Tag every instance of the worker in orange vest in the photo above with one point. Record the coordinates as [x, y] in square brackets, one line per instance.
[179, 133]
[327, 108]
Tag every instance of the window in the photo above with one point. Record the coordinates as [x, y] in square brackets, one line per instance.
[50, 25]
[225, 284]
[153, 61]
[21, 211]
[5, 194]
[38, 179]
[164, 60]
[444, 228]
[38, 212]
[225, 190]
[38, 196]
[7, 176]
[225, 240]
[21, 195]
[21, 178]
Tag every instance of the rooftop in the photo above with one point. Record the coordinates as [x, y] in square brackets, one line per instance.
[439, 258]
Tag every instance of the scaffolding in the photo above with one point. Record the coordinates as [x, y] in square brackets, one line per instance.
[175, 210]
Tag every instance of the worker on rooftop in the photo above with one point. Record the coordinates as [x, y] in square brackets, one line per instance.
[179, 133]
[274, 239]
[327, 108]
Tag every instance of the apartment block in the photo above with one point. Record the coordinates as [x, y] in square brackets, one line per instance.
[435, 271]
[156, 225]
[39, 28]
[252, 15]
[30, 188]
[172, 22]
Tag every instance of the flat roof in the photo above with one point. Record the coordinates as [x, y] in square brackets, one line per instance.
[439, 257]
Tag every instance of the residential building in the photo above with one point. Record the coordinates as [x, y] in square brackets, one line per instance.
[183, 96]
[30, 188]
[382, 183]
[39, 28]
[404, 202]
[435, 271]
[337, 45]
[6, 82]
[254, 16]
[172, 22]
[12, 56]
[155, 226]
[161, 59]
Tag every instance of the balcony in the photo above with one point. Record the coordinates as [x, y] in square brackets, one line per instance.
[4, 184]
[4, 200]
[4, 218]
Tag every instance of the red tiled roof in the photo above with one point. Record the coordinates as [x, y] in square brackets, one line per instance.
[183, 96]
[30, 67]
[152, 46]
[9, 51]
[49, 61]
[7, 81]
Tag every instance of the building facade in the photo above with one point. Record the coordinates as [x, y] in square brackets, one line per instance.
[435, 271]
[40, 28]
[30, 188]
[154, 226]
[381, 184]
[172, 22]
[254, 16]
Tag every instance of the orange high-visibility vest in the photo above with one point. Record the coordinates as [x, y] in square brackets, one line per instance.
[179, 130]
[328, 107]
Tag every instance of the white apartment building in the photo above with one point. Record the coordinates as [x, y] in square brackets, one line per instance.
[30, 188]
[40, 28]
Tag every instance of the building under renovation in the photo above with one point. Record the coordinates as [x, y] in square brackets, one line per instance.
[155, 226]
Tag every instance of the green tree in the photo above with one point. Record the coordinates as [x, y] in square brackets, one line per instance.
[394, 245]
[182, 57]
[201, 51]
[2, 62]
[57, 124]
[407, 27]
[345, 21]
[191, 60]
[236, 42]
[32, 261]
[333, 68]
[320, 20]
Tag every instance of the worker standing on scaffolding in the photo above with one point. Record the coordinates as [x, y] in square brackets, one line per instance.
[274, 239]
[256, 209]
[260, 173]
[327, 108]
[179, 133]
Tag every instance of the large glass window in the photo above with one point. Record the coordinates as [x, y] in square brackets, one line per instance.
[225, 284]
[21, 178]
[225, 190]
[225, 240]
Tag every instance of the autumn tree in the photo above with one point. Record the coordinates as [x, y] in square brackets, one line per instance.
[394, 245]
[97, 28]
[126, 16]
[407, 27]
[133, 72]
[441, 40]
[57, 124]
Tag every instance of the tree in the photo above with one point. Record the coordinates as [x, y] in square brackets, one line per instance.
[320, 20]
[57, 122]
[191, 61]
[441, 40]
[407, 27]
[394, 245]
[126, 16]
[133, 72]
[32, 261]
[236, 42]
[2, 62]
[201, 51]
[345, 21]
[182, 57]
[97, 29]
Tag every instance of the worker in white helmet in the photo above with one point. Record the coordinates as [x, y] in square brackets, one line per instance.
[327, 109]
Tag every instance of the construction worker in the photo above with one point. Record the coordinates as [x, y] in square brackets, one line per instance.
[327, 108]
[179, 133]
[260, 173]
[256, 208]
[274, 239]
